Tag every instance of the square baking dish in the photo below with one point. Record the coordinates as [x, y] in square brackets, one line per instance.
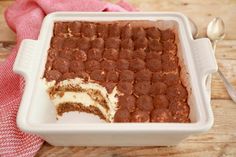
[37, 115]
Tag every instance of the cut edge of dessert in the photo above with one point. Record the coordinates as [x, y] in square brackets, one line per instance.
[84, 96]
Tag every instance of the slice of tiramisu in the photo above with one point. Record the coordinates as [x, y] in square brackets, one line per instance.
[120, 71]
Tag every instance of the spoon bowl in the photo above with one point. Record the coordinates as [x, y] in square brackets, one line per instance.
[194, 29]
[216, 29]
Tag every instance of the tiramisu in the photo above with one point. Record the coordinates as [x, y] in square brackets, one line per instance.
[120, 71]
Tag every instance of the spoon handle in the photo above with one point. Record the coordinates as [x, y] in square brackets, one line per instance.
[214, 45]
[229, 87]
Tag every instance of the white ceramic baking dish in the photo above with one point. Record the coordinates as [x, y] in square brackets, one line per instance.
[37, 115]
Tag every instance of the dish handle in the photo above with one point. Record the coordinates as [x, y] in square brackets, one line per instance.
[26, 58]
[205, 61]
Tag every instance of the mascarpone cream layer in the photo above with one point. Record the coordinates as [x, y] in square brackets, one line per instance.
[83, 97]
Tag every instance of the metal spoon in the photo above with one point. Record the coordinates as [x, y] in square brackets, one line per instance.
[194, 29]
[216, 32]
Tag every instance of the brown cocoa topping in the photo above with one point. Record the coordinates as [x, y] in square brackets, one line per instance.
[139, 61]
